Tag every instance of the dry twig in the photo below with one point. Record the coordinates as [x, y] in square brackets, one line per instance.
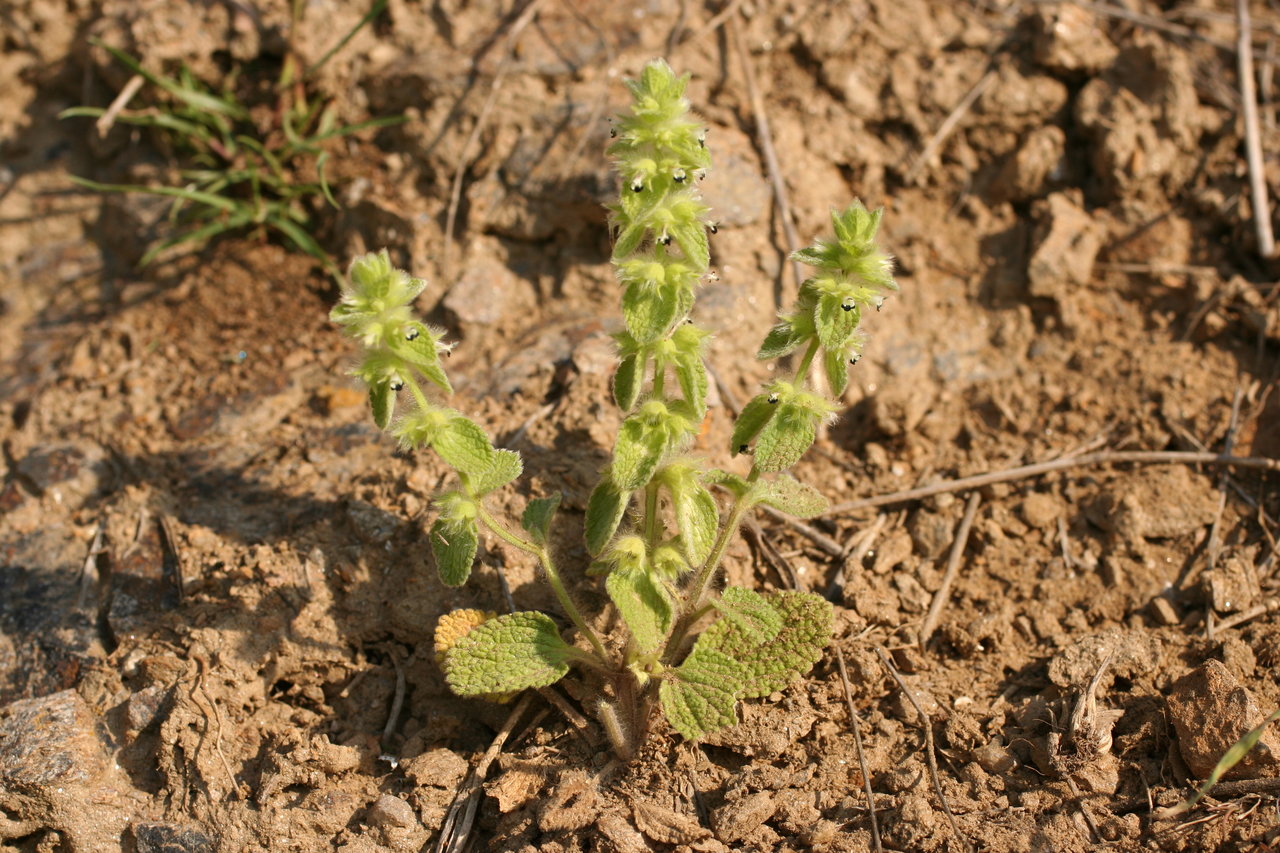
[1252, 135]
[456, 828]
[930, 756]
[943, 595]
[455, 191]
[856, 725]
[1106, 457]
[948, 126]
[766, 144]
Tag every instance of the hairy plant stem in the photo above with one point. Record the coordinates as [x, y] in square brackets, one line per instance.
[802, 372]
[553, 577]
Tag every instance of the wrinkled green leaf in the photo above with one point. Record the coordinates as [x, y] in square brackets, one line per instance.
[786, 437]
[629, 238]
[506, 654]
[465, 446]
[698, 518]
[782, 339]
[422, 353]
[537, 516]
[626, 382]
[735, 484]
[645, 607]
[699, 697]
[763, 667]
[636, 453]
[605, 509]
[752, 615]
[755, 415]
[691, 237]
[382, 400]
[789, 495]
[835, 325]
[691, 373]
[454, 546]
[650, 311]
[505, 467]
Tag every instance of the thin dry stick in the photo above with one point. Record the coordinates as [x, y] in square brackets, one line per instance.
[579, 722]
[397, 701]
[948, 126]
[943, 595]
[771, 554]
[730, 9]
[856, 725]
[1248, 615]
[1224, 481]
[766, 145]
[107, 120]
[1252, 135]
[462, 813]
[824, 542]
[1106, 457]
[455, 192]
[89, 578]
[927, 725]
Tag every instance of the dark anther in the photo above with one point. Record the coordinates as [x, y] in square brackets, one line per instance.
[412, 334]
[854, 360]
[848, 306]
[637, 185]
[613, 132]
[665, 239]
[678, 176]
[713, 228]
[742, 448]
[397, 385]
[773, 398]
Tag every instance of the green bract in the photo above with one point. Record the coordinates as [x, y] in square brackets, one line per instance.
[652, 523]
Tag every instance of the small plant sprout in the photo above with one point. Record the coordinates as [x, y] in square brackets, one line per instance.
[655, 529]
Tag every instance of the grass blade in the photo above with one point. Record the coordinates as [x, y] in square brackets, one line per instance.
[209, 199]
[373, 12]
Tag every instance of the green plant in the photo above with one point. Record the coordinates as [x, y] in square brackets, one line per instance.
[661, 566]
[238, 175]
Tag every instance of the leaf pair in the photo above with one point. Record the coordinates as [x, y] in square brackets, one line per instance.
[783, 423]
[759, 644]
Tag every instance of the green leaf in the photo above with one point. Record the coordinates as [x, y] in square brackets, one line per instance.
[423, 353]
[786, 437]
[735, 484]
[789, 495]
[698, 518]
[836, 323]
[763, 667]
[465, 446]
[753, 418]
[628, 241]
[636, 453]
[750, 613]
[650, 311]
[454, 546]
[691, 373]
[537, 516]
[691, 237]
[505, 467]
[836, 364]
[626, 382]
[645, 606]
[605, 509]
[506, 654]
[382, 400]
[699, 697]
[782, 339]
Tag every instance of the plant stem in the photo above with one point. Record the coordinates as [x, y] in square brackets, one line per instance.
[651, 528]
[553, 577]
[802, 372]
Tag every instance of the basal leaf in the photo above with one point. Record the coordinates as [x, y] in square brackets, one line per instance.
[755, 415]
[626, 382]
[751, 614]
[786, 437]
[382, 400]
[789, 495]
[605, 509]
[537, 516]
[836, 365]
[505, 467]
[465, 446]
[511, 652]
[644, 604]
[454, 546]
[699, 697]
[636, 453]
[763, 667]
[698, 518]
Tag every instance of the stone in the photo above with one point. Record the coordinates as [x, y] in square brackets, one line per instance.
[1210, 711]
[1069, 38]
[736, 820]
[1067, 242]
[152, 837]
[389, 811]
